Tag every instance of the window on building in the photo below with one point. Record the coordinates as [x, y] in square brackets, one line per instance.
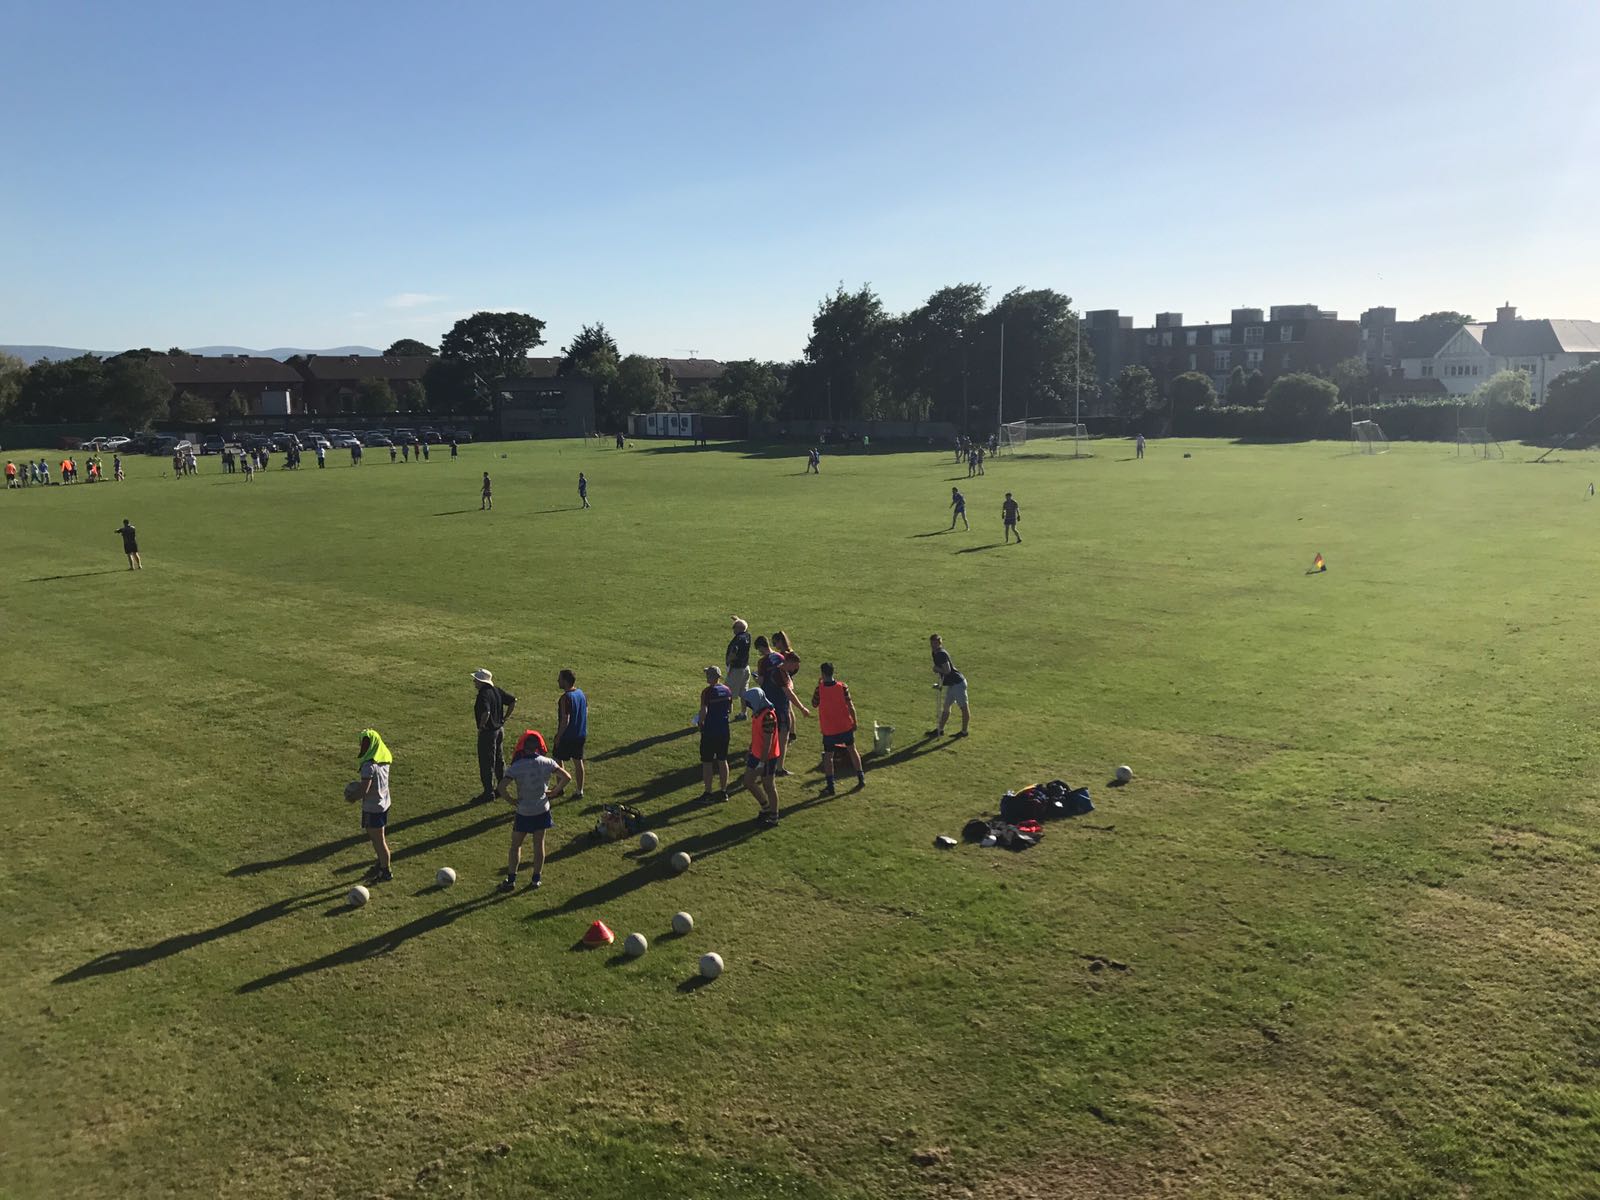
[1193, 359]
[1427, 370]
[1191, 337]
[1166, 337]
[1252, 358]
[1222, 360]
[1150, 338]
[1286, 333]
[1221, 337]
[1254, 335]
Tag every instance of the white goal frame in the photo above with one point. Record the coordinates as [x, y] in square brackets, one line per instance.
[1367, 437]
[1478, 440]
[1017, 435]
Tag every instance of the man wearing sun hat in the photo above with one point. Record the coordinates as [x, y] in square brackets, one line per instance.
[489, 713]
[737, 660]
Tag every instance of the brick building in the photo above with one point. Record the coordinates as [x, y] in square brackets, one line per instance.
[216, 377]
[331, 380]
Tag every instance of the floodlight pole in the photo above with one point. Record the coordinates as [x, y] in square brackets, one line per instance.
[1077, 390]
[1000, 401]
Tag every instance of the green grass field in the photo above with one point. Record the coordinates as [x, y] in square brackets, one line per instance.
[1355, 882]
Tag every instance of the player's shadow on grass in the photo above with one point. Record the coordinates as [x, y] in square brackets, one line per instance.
[641, 744]
[412, 849]
[456, 512]
[314, 854]
[978, 549]
[78, 575]
[926, 744]
[137, 956]
[654, 869]
[932, 533]
[383, 943]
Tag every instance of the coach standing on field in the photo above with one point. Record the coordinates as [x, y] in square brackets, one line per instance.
[490, 713]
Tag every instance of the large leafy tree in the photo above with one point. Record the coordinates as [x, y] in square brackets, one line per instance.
[590, 340]
[493, 344]
[1191, 392]
[454, 387]
[1445, 317]
[1237, 383]
[849, 338]
[1353, 378]
[70, 390]
[186, 406]
[752, 389]
[640, 385]
[1572, 400]
[411, 396]
[12, 373]
[1297, 404]
[1044, 370]
[932, 346]
[1255, 389]
[374, 396]
[409, 348]
[134, 393]
[1136, 392]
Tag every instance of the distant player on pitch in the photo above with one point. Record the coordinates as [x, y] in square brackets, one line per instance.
[958, 508]
[1010, 514]
[487, 502]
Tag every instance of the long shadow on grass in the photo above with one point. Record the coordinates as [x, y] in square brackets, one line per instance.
[383, 943]
[313, 854]
[411, 850]
[139, 956]
[926, 744]
[78, 575]
[932, 533]
[654, 869]
[456, 512]
[979, 549]
[641, 744]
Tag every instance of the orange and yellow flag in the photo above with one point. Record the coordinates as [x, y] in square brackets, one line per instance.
[1318, 565]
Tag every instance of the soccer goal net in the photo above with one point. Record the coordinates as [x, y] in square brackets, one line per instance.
[1367, 437]
[1478, 442]
[1043, 437]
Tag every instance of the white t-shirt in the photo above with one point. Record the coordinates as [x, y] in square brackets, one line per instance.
[532, 775]
[378, 799]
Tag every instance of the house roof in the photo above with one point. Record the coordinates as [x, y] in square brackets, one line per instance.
[694, 370]
[1577, 337]
[344, 368]
[248, 369]
[1517, 339]
[1424, 339]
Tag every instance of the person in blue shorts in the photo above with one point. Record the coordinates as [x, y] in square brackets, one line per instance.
[374, 761]
[716, 707]
[529, 771]
[572, 727]
[958, 508]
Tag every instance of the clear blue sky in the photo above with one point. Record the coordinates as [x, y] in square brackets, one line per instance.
[698, 176]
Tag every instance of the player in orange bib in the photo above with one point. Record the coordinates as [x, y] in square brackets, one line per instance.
[762, 765]
[836, 713]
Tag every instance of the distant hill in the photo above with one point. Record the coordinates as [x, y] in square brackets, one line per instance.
[32, 354]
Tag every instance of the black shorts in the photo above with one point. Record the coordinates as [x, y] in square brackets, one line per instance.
[713, 746]
[130, 547]
[833, 741]
[569, 749]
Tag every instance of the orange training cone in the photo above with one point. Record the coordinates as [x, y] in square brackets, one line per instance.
[598, 935]
[1318, 565]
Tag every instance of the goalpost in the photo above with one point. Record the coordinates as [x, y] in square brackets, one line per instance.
[1042, 437]
[1367, 437]
[1479, 441]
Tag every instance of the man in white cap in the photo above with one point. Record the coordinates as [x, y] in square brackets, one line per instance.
[737, 660]
[489, 714]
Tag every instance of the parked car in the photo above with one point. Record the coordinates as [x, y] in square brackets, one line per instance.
[460, 435]
[310, 444]
[115, 444]
[377, 439]
[404, 436]
[212, 445]
[432, 436]
[348, 441]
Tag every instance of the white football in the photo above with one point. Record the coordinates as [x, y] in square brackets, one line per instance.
[357, 896]
[681, 861]
[444, 876]
[636, 945]
[648, 840]
[1124, 774]
[710, 966]
[682, 923]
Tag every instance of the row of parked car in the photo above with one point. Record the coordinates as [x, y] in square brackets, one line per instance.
[277, 443]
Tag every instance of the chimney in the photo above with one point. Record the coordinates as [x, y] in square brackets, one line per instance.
[1505, 314]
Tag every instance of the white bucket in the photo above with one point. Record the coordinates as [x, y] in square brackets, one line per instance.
[882, 738]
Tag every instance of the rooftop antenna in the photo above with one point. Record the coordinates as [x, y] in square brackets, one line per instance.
[691, 352]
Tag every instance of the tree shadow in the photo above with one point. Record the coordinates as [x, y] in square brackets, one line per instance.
[979, 549]
[137, 956]
[313, 854]
[641, 744]
[444, 839]
[383, 943]
[78, 575]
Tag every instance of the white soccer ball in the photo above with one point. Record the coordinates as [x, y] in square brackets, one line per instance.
[636, 945]
[648, 840]
[1124, 774]
[710, 966]
[682, 923]
[357, 896]
[681, 861]
[445, 876]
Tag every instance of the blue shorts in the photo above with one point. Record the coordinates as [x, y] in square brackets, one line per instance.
[534, 823]
[374, 820]
[832, 741]
[762, 766]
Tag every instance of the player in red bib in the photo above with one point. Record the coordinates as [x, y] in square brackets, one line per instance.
[836, 713]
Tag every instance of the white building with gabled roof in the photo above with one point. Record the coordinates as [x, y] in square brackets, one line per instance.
[1542, 349]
